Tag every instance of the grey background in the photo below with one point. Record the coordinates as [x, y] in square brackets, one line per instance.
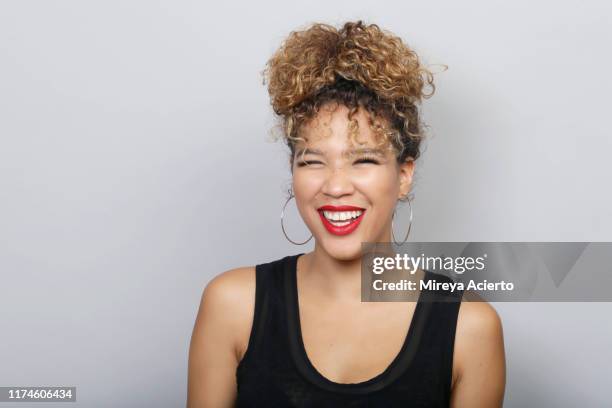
[134, 167]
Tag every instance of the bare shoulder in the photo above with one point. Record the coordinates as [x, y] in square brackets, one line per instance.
[230, 286]
[479, 365]
[220, 325]
[479, 337]
[477, 318]
[228, 303]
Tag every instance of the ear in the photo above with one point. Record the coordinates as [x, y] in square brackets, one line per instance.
[406, 171]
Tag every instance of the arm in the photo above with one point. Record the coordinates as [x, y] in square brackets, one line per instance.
[222, 326]
[480, 358]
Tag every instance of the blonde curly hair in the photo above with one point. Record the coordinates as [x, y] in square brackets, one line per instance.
[358, 65]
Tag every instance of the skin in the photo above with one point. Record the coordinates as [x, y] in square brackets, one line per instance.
[343, 350]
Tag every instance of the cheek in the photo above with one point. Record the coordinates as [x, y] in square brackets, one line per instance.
[380, 183]
[304, 187]
[305, 190]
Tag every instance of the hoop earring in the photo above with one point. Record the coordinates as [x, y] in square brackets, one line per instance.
[409, 226]
[283, 226]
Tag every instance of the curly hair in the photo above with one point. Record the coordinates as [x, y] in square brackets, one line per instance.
[358, 65]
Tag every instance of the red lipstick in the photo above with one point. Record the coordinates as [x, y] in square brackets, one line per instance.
[344, 229]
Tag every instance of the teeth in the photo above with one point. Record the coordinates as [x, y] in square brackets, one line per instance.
[341, 216]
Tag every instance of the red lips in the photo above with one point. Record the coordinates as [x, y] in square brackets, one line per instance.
[340, 208]
[340, 230]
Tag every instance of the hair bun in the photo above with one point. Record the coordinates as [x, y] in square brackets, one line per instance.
[320, 55]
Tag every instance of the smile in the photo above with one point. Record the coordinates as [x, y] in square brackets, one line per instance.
[341, 220]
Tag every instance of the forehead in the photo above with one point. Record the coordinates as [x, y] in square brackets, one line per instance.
[331, 129]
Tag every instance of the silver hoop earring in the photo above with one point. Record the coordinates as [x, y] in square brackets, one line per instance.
[409, 226]
[283, 225]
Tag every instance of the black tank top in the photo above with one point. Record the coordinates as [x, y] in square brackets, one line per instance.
[276, 372]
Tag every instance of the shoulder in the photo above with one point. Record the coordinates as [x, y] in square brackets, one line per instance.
[479, 365]
[228, 302]
[479, 336]
[477, 322]
[230, 294]
[234, 289]
[477, 315]
[229, 286]
[220, 325]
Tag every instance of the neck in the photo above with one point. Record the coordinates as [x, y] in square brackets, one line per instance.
[330, 277]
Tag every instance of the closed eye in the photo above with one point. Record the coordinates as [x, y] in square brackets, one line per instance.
[373, 161]
[308, 163]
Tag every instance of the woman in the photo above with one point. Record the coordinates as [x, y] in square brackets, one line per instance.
[294, 332]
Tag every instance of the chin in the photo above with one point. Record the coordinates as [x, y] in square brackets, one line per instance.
[344, 251]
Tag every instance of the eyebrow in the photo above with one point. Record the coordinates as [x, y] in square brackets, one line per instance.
[363, 150]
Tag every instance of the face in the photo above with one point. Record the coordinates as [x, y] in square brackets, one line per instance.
[346, 192]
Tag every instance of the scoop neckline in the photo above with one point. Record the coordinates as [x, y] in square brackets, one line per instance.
[396, 367]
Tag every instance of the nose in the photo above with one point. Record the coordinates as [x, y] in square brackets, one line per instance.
[338, 183]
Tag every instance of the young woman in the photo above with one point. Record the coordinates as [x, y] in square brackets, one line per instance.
[293, 332]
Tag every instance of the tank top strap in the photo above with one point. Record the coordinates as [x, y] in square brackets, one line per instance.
[437, 332]
[268, 323]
